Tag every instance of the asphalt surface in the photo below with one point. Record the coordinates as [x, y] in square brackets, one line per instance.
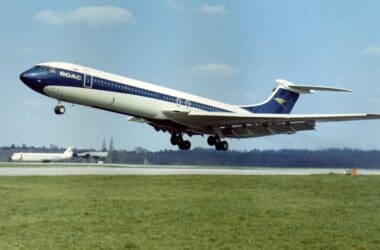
[65, 170]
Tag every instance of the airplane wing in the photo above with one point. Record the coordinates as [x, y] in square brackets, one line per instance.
[252, 125]
[229, 119]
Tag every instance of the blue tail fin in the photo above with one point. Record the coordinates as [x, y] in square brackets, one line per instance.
[285, 96]
[281, 102]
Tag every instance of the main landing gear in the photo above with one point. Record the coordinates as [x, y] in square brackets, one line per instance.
[217, 142]
[59, 109]
[176, 139]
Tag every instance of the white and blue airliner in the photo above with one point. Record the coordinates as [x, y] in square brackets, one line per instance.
[177, 112]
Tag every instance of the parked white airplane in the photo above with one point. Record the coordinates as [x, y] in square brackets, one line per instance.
[177, 112]
[43, 157]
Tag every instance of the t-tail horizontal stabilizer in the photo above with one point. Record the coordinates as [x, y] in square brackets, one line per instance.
[306, 89]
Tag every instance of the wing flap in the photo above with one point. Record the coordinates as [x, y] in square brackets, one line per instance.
[221, 119]
[256, 130]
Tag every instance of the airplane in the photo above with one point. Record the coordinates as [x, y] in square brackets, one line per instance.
[43, 157]
[176, 112]
[93, 154]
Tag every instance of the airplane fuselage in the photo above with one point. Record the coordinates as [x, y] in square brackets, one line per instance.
[41, 157]
[90, 87]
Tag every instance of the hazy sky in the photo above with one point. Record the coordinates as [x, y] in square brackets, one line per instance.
[228, 50]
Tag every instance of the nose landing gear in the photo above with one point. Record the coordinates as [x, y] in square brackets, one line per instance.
[59, 109]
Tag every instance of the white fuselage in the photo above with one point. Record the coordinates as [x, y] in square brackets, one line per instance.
[40, 157]
[131, 97]
[43, 157]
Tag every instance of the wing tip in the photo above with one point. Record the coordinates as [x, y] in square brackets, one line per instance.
[373, 116]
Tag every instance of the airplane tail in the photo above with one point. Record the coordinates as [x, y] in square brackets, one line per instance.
[285, 96]
[68, 151]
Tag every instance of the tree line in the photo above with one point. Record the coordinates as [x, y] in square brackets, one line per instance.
[338, 158]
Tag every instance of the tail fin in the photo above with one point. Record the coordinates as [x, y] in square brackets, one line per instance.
[68, 151]
[285, 97]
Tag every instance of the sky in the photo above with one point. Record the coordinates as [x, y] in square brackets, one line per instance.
[231, 51]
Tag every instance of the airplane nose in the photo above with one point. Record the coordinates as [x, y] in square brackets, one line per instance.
[32, 80]
[23, 77]
[28, 77]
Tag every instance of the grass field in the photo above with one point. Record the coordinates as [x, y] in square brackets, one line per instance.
[193, 212]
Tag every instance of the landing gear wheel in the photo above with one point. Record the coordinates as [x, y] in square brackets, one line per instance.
[187, 145]
[222, 145]
[175, 139]
[59, 109]
[184, 145]
[211, 140]
[217, 140]
[218, 146]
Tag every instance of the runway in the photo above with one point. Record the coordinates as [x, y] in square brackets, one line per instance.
[185, 170]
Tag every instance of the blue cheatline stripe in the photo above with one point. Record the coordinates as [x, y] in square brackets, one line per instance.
[107, 85]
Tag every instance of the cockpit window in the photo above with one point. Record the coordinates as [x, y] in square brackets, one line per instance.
[43, 69]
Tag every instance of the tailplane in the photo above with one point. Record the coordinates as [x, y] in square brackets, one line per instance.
[285, 96]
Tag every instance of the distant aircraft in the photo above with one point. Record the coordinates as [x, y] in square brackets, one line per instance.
[177, 112]
[43, 157]
[93, 154]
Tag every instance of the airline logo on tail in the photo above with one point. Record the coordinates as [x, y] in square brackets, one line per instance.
[281, 101]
